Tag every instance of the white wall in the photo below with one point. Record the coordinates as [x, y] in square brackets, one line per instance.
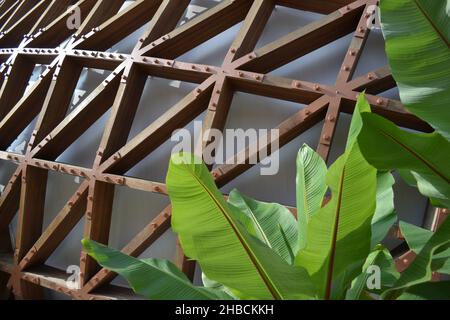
[134, 209]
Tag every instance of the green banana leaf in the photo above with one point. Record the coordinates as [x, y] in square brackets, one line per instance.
[339, 233]
[428, 291]
[311, 188]
[208, 283]
[413, 178]
[211, 232]
[274, 224]
[415, 236]
[441, 262]
[387, 147]
[420, 270]
[385, 215]
[417, 45]
[382, 258]
[343, 282]
[155, 279]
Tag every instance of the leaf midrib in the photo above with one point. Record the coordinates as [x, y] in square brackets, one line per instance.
[415, 154]
[334, 238]
[257, 224]
[431, 22]
[272, 289]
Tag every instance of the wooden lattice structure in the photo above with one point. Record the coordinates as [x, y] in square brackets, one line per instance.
[30, 31]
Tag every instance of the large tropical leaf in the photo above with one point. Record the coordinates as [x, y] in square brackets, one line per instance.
[213, 232]
[387, 147]
[339, 233]
[385, 215]
[415, 236]
[417, 45]
[428, 291]
[153, 278]
[273, 223]
[420, 270]
[311, 188]
[441, 262]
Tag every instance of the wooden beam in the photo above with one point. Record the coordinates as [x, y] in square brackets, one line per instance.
[118, 26]
[98, 221]
[251, 30]
[302, 41]
[160, 130]
[15, 83]
[164, 21]
[31, 210]
[198, 30]
[319, 6]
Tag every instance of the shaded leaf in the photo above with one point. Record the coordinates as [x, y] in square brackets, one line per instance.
[425, 155]
[385, 215]
[153, 278]
[417, 45]
[381, 258]
[273, 223]
[428, 291]
[420, 270]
